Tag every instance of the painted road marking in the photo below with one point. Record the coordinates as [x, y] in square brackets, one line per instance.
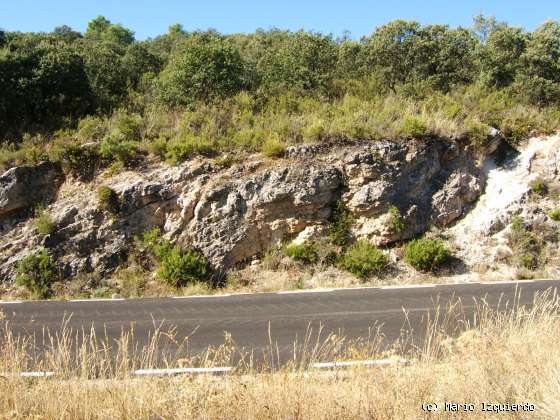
[182, 371]
[379, 362]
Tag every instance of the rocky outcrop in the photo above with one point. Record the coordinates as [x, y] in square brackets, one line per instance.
[231, 215]
[26, 186]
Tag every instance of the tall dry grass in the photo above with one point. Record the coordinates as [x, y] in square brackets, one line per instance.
[510, 356]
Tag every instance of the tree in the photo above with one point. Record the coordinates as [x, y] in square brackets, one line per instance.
[66, 33]
[392, 51]
[203, 72]
[302, 61]
[101, 29]
[539, 77]
[500, 56]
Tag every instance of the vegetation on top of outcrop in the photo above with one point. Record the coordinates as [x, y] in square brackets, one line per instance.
[426, 254]
[188, 93]
[37, 273]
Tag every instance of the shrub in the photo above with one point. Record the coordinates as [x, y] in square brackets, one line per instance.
[341, 223]
[43, 221]
[188, 146]
[91, 129]
[529, 261]
[305, 253]
[395, 220]
[273, 147]
[178, 268]
[81, 161]
[108, 200]
[415, 127]
[426, 254]
[539, 187]
[116, 147]
[555, 215]
[363, 259]
[37, 273]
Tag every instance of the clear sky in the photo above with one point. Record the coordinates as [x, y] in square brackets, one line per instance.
[150, 18]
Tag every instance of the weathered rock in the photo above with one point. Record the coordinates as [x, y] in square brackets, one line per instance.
[23, 187]
[232, 215]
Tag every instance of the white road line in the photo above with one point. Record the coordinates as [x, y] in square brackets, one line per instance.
[521, 282]
[202, 296]
[96, 300]
[182, 371]
[291, 292]
[380, 362]
[10, 302]
[410, 286]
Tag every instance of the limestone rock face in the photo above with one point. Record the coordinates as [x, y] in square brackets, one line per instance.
[232, 215]
[26, 186]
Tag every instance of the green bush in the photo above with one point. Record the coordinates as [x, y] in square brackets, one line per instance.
[529, 261]
[178, 268]
[340, 225]
[37, 273]
[539, 187]
[305, 253]
[363, 259]
[91, 129]
[81, 161]
[273, 147]
[188, 146]
[555, 215]
[116, 147]
[108, 200]
[43, 221]
[426, 254]
[415, 127]
[395, 220]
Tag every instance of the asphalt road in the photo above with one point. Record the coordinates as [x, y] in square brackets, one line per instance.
[283, 318]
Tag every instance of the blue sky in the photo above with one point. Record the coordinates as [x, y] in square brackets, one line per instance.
[360, 17]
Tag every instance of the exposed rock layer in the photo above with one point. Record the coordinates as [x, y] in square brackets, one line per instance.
[233, 214]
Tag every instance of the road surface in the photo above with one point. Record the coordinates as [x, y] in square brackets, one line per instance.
[253, 320]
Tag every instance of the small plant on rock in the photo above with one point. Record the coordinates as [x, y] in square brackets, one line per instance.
[43, 222]
[273, 147]
[555, 215]
[363, 259]
[108, 200]
[395, 220]
[539, 187]
[341, 223]
[426, 254]
[37, 273]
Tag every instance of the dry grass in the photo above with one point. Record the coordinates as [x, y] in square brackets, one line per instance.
[505, 357]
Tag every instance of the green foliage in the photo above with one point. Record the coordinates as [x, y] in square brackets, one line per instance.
[539, 187]
[415, 127]
[305, 253]
[201, 73]
[273, 147]
[527, 245]
[395, 221]
[37, 273]
[179, 268]
[116, 147]
[363, 259]
[186, 147]
[43, 221]
[426, 254]
[108, 200]
[555, 215]
[340, 225]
